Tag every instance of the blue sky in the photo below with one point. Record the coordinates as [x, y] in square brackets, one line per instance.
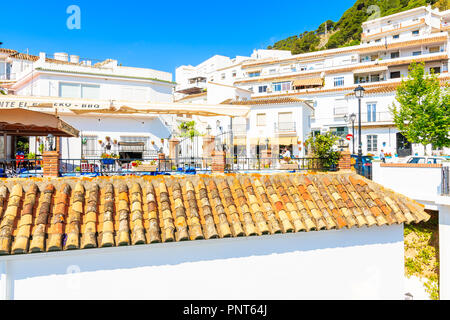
[160, 34]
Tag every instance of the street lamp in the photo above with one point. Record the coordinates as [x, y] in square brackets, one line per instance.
[351, 118]
[359, 93]
[51, 141]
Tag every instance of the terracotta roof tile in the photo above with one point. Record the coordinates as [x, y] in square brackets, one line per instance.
[68, 214]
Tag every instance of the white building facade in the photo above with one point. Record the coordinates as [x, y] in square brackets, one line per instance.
[327, 78]
[66, 77]
[367, 263]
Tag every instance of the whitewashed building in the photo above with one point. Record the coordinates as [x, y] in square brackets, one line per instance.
[69, 77]
[328, 77]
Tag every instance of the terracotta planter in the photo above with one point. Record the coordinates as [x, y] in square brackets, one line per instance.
[146, 167]
[289, 166]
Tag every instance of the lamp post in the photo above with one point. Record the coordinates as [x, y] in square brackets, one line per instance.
[51, 141]
[359, 93]
[351, 118]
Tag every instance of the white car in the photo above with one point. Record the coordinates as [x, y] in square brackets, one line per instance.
[425, 159]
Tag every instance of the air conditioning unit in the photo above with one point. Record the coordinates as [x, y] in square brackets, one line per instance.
[324, 130]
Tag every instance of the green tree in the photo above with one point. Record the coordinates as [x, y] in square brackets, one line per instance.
[187, 129]
[321, 146]
[423, 114]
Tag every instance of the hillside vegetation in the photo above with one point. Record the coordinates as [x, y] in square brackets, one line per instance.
[347, 31]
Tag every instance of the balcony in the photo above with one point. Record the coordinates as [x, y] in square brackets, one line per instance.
[285, 127]
[375, 117]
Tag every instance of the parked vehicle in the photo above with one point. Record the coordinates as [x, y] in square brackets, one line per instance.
[366, 169]
[425, 159]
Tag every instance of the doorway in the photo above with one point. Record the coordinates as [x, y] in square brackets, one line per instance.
[404, 147]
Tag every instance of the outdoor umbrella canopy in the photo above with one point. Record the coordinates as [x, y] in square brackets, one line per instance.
[17, 121]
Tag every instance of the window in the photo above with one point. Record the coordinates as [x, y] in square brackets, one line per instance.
[272, 70]
[260, 119]
[254, 74]
[233, 74]
[339, 131]
[378, 40]
[281, 86]
[222, 76]
[372, 143]
[416, 160]
[395, 36]
[135, 144]
[415, 33]
[69, 90]
[89, 146]
[340, 107]
[90, 92]
[78, 90]
[417, 53]
[371, 112]
[395, 54]
[262, 89]
[338, 81]
[285, 122]
[395, 74]
[434, 49]
[435, 69]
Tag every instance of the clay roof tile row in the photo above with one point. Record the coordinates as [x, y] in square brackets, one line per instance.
[65, 214]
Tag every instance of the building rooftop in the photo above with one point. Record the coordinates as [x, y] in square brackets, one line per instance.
[40, 215]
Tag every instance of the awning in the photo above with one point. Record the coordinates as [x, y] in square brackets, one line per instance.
[369, 70]
[274, 141]
[17, 121]
[284, 140]
[307, 82]
[250, 70]
[86, 106]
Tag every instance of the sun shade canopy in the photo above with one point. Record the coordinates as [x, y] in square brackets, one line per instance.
[88, 106]
[17, 121]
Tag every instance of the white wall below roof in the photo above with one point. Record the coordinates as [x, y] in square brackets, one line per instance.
[421, 184]
[364, 263]
[443, 204]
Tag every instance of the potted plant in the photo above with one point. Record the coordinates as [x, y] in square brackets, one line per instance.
[108, 158]
[140, 166]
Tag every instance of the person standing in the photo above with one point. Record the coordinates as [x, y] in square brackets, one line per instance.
[382, 157]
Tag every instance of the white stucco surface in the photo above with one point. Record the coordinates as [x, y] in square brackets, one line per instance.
[360, 263]
[443, 204]
[421, 184]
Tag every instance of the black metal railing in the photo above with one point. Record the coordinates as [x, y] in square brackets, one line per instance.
[237, 164]
[445, 181]
[20, 168]
[14, 168]
[154, 166]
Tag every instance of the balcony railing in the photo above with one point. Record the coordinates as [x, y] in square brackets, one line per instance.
[285, 127]
[375, 117]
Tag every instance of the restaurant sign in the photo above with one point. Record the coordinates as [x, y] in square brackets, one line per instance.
[37, 102]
